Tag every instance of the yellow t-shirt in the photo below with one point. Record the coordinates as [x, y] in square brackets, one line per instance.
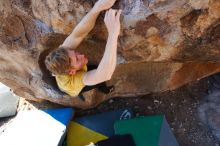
[71, 84]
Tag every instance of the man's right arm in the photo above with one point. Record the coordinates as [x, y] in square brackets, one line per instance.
[107, 65]
[86, 24]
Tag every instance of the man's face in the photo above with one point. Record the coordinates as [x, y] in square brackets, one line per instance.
[77, 60]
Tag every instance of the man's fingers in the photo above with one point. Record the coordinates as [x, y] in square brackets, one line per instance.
[106, 15]
[112, 12]
[118, 14]
[112, 15]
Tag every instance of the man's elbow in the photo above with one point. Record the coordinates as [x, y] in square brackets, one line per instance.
[109, 76]
[105, 77]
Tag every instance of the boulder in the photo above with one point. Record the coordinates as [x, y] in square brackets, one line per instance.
[163, 45]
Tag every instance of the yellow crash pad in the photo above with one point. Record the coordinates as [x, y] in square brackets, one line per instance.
[79, 135]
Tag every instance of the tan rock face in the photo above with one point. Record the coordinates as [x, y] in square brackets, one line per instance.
[163, 45]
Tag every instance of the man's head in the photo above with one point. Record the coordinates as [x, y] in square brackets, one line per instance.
[65, 61]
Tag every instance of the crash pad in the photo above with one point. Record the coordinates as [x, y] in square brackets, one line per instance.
[94, 128]
[147, 131]
[8, 102]
[37, 128]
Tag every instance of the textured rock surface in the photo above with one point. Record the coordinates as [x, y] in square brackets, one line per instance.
[163, 44]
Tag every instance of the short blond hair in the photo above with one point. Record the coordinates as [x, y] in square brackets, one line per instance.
[58, 61]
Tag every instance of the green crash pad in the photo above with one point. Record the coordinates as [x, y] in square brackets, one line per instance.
[147, 131]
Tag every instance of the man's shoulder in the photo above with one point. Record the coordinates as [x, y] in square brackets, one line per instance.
[71, 84]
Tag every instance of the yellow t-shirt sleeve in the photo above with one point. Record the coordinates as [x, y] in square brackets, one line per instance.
[71, 84]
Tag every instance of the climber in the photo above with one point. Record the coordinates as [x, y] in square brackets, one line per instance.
[70, 67]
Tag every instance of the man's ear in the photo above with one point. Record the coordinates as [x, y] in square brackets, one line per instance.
[72, 72]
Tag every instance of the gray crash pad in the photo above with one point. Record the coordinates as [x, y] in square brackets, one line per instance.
[8, 102]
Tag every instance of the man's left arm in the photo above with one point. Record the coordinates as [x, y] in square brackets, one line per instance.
[107, 65]
[86, 24]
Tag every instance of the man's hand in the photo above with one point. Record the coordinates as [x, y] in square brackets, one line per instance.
[104, 4]
[86, 24]
[112, 21]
